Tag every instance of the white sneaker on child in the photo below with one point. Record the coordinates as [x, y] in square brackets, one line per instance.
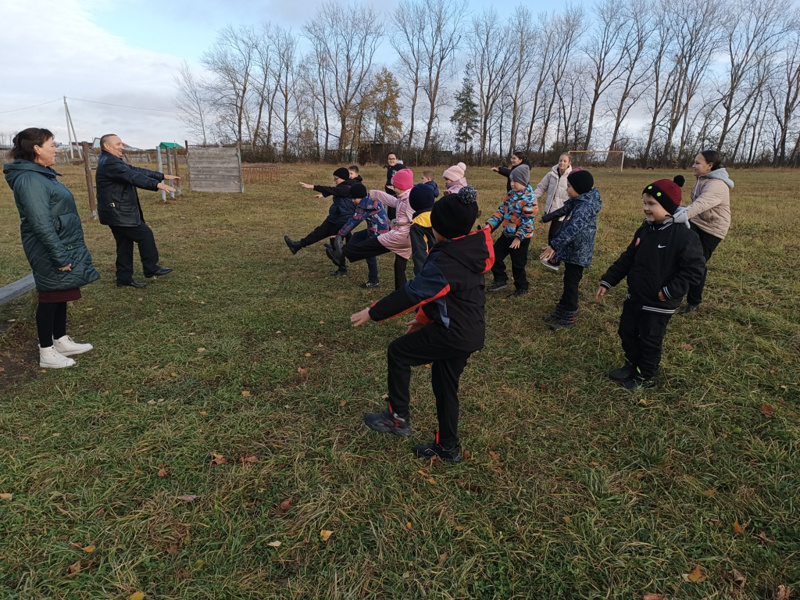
[66, 346]
[50, 358]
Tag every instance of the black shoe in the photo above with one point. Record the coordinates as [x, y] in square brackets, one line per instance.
[624, 373]
[336, 257]
[160, 272]
[552, 317]
[638, 383]
[371, 284]
[293, 246]
[497, 286]
[338, 273]
[563, 324]
[434, 450]
[133, 284]
[517, 293]
[387, 422]
[688, 309]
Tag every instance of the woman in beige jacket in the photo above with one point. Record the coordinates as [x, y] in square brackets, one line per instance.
[709, 213]
[554, 184]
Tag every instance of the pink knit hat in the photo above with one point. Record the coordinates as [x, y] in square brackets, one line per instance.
[403, 179]
[455, 172]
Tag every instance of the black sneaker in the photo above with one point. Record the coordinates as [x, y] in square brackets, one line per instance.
[336, 257]
[517, 293]
[433, 450]
[497, 286]
[387, 422]
[624, 373]
[689, 309]
[563, 324]
[552, 317]
[638, 383]
[338, 273]
[371, 284]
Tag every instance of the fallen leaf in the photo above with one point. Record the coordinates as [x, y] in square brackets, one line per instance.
[442, 558]
[783, 592]
[737, 528]
[75, 567]
[248, 460]
[686, 346]
[460, 528]
[275, 544]
[127, 391]
[321, 323]
[88, 549]
[302, 370]
[136, 596]
[343, 402]
[56, 434]
[696, 576]
[421, 472]
[409, 526]
[763, 537]
[737, 578]
[428, 366]
[162, 472]
[709, 492]
[325, 534]
[308, 354]
[245, 393]
[431, 480]
[566, 519]
[286, 505]
[172, 548]
[654, 597]
[494, 455]
[201, 350]
[188, 497]
[6, 496]
[594, 463]
[203, 413]
[198, 564]
[218, 459]
[767, 410]
[467, 454]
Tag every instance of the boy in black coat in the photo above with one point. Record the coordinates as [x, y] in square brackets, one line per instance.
[661, 262]
[339, 213]
[449, 297]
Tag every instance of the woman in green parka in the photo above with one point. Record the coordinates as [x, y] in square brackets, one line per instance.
[52, 238]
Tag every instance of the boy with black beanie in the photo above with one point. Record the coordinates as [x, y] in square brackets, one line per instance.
[661, 263]
[448, 296]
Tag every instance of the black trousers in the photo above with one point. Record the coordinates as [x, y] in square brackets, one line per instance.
[354, 251]
[325, 230]
[642, 334]
[555, 229]
[431, 344]
[519, 258]
[125, 237]
[709, 242]
[51, 322]
[572, 278]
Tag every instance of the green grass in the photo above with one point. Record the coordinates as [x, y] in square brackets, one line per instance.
[575, 488]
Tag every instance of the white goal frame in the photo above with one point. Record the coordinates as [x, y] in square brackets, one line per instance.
[622, 152]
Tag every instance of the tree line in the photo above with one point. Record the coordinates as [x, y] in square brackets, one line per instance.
[659, 79]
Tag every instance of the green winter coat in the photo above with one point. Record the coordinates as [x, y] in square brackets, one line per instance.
[52, 235]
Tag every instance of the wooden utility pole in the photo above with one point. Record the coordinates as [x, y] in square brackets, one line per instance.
[89, 185]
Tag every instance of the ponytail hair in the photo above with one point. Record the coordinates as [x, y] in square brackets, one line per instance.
[26, 139]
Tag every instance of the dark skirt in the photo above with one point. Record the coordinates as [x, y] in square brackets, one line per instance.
[54, 296]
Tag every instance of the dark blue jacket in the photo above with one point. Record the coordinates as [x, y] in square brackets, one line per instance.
[434, 186]
[117, 198]
[575, 242]
[52, 235]
[342, 207]
[449, 291]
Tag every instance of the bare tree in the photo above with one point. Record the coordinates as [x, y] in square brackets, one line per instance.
[784, 92]
[524, 41]
[285, 52]
[349, 37]
[191, 102]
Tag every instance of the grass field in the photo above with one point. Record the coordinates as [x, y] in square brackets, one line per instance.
[244, 356]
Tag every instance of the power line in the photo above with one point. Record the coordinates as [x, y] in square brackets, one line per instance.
[4, 112]
[122, 105]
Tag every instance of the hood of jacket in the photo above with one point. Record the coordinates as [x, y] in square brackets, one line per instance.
[14, 169]
[475, 250]
[720, 174]
[592, 198]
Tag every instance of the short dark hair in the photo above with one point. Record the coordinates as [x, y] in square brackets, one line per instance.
[353, 168]
[26, 139]
[713, 157]
[104, 138]
[520, 154]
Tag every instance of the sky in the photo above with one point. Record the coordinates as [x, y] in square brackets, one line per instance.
[115, 60]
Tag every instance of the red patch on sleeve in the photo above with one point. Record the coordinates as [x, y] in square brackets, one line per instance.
[637, 241]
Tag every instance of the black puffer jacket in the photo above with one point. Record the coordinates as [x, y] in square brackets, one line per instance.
[342, 207]
[506, 172]
[117, 198]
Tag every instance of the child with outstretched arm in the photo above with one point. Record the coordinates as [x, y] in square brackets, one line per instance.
[448, 296]
[662, 262]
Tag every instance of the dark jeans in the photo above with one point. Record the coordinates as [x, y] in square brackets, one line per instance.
[519, 258]
[372, 247]
[572, 279]
[372, 262]
[709, 243]
[430, 344]
[642, 334]
[51, 322]
[125, 237]
[325, 230]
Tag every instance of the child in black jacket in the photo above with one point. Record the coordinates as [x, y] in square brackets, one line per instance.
[661, 262]
[449, 299]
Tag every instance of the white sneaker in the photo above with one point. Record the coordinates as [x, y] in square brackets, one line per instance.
[548, 264]
[66, 346]
[50, 358]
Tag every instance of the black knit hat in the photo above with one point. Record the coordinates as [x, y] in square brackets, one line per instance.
[454, 215]
[421, 198]
[342, 173]
[581, 180]
[358, 191]
[667, 193]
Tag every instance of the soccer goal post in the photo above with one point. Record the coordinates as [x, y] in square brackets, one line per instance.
[611, 159]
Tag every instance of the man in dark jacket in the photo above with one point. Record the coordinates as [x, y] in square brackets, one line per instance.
[393, 165]
[118, 207]
[449, 298]
[340, 211]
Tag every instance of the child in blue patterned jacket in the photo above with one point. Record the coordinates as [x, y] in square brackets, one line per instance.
[574, 245]
[374, 214]
[516, 214]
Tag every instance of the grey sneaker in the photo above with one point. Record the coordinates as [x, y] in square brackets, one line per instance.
[371, 284]
[497, 286]
[388, 422]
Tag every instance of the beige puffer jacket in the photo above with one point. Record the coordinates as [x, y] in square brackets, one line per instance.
[710, 209]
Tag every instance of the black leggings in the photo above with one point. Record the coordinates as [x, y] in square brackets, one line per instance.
[51, 322]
